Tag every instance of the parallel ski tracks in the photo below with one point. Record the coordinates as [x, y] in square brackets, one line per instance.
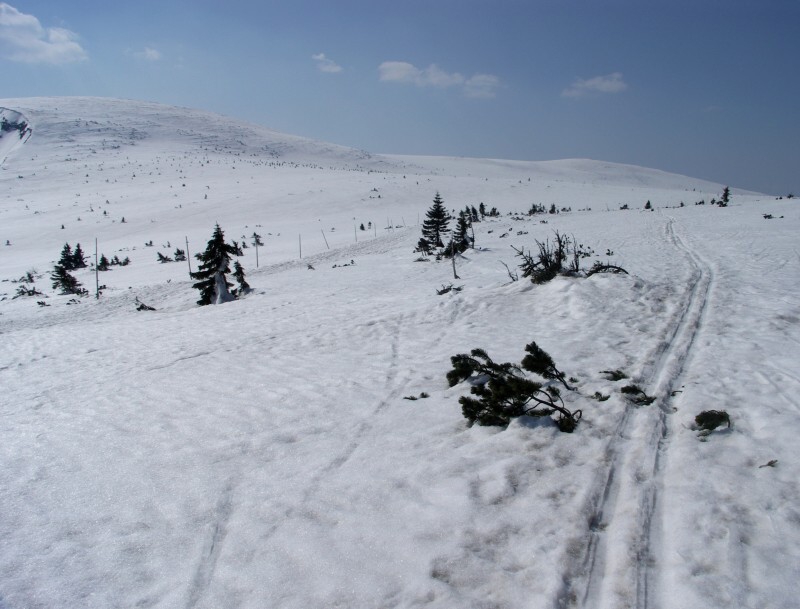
[603, 576]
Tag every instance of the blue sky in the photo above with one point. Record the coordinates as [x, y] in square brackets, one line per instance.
[708, 88]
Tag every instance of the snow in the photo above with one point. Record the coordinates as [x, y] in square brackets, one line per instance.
[260, 453]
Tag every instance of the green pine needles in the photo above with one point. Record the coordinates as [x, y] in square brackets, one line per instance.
[501, 391]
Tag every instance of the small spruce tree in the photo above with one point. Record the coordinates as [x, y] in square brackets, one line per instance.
[726, 197]
[62, 280]
[78, 258]
[103, 264]
[423, 246]
[434, 227]
[460, 240]
[214, 267]
[67, 259]
[238, 274]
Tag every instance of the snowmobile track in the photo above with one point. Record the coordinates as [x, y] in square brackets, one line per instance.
[635, 455]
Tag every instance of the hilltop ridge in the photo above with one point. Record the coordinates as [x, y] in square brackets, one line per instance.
[85, 126]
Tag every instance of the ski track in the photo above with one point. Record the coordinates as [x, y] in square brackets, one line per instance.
[218, 530]
[205, 570]
[395, 384]
[636, 454]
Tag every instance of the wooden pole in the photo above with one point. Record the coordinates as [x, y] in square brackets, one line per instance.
[324, 237]
[96, 273]
[188, 257]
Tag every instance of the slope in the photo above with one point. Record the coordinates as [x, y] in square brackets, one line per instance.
[260, 453]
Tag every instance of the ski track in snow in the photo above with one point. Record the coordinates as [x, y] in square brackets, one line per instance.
[217, 530]
[395, 383]
[635, 453]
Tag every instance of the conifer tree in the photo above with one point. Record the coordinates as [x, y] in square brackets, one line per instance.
[460, 241]
[67, 259]
[423, 246]
[78, 258]
[434, 227]
[238, 274]
[103, 264]
[65, 282]
[180, 255]
[461, 236]
[214, 267]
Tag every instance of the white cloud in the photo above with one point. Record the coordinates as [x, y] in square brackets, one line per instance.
[482, 86]
[610, 83]
[149, 54]
[398, 71]
[478, 85]
[326, 65]
[23, 39]
[434, 76]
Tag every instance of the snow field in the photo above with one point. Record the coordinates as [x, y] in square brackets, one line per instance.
[260, 453]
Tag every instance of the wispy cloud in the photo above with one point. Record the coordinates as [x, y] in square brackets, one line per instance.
[478, 85]
[610, 83]
[149, 53]
[326, 65]
[23, 39]
[481, 86]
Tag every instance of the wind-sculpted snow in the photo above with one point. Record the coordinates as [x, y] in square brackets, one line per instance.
[91, 125]
[260, 453]
[14, 131]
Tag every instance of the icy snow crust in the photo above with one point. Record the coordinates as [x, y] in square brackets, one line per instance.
[260, 453]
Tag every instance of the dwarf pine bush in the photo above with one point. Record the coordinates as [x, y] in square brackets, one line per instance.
[501, 391]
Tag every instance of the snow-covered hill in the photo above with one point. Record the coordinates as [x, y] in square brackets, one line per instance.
[261, 453]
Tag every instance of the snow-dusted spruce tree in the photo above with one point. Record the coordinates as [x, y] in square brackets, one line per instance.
[460, 240]
[726, 197]
[214, 267]
[423, 246]
[434, 227]
[65, 282]
[238, 274]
